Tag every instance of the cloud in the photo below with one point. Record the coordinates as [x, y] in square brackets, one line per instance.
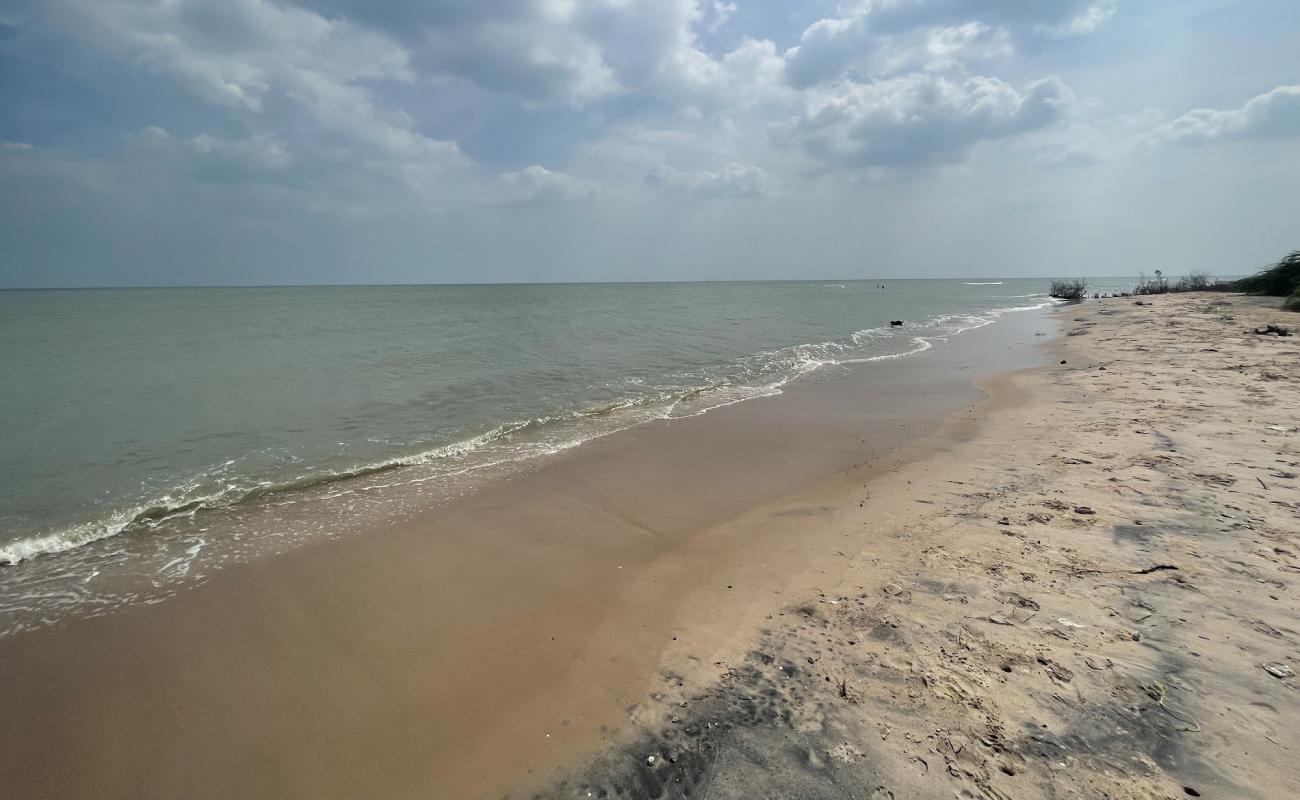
[733, 180]
[1077, 145]
[713, 15]
[262, 59]
[533, 49]
[541, 51]
[374, 92]
[1272, 115]
[239, 52]
[920, 119]
[261, 152]
[827, 48]
[538, 183]
[547, 53]
[217, 159]
[940, 49]
[747, 78]
[884, 37]
[1025, 17]
[1087, 17]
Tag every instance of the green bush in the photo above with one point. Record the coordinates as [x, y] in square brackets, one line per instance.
[1157, 285]
[1194, 282]
[1280, 280]
[1069, 289]
[1292, 303]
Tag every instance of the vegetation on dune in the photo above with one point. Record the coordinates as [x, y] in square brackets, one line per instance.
[1292, 303]
[1157, 285]
[1280, 280]
[1194, 282]
[1069, 289]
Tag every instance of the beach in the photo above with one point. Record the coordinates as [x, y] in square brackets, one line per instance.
[1087, 592]
[631, 400]
[1022, 565]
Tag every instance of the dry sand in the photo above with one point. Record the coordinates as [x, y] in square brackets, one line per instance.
[940, 620]
[1089, 592]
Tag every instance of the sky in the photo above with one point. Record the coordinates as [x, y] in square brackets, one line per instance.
[214, 142]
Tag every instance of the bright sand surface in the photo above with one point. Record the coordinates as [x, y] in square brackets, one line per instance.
[875, 583]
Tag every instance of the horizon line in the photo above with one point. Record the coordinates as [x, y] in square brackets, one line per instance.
[526, 283]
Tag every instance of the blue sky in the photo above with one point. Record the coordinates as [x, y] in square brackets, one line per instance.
[148, 142]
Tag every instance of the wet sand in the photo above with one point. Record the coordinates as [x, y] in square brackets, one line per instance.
[879, 585]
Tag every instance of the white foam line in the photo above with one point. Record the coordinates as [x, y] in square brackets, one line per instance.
[87, 533]
[922, 344]
[60, 541]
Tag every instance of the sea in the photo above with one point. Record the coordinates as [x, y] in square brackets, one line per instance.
[149, 436]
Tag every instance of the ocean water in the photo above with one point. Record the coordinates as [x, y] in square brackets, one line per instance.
[126, 411]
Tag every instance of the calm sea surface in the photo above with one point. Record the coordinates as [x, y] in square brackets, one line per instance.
[120, 406]
[123, 412]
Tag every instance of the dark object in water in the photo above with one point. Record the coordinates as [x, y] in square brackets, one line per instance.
[1272, 330]
[895, 322]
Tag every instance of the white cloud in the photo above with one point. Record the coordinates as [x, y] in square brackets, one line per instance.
[713, 15]
[210, 159]
[247, 55]
[332, 85]
[884, 37]
[263, 152]
[1085, 20]
[827, 48]
[238, 52]
[1083, 144]
[940, 49]
[732, 180]
[1077, 145]
[920, 119]
[537, 182]
[540, 59]
[1274, 114]
[748, 77]
[543, 52]
[1026, 16]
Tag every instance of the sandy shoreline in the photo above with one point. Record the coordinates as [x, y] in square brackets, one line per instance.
[1089, 594]
[481, 644]
[876, 630]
